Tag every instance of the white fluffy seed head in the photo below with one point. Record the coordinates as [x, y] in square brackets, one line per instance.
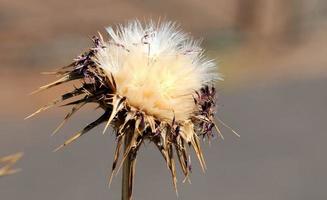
[157, 68]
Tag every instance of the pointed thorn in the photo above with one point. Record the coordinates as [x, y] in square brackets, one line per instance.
[230, 128]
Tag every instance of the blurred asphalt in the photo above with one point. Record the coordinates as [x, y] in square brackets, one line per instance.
[280, 154]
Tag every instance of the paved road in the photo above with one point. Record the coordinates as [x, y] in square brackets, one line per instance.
[280, 155]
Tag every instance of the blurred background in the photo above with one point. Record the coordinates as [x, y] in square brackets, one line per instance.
[273, 57]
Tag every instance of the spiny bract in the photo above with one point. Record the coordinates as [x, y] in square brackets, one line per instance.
[153, 83]
[7, 162]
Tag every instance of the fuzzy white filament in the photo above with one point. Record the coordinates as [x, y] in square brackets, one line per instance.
[157, 68]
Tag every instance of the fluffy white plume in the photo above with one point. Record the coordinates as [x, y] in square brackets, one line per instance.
[157, 68]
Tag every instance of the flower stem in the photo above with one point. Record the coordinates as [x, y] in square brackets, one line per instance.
[127, 176]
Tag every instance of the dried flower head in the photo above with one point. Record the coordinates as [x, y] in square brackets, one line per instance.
[153, 83]
[7, 162]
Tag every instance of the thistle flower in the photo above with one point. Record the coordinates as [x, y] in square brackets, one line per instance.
[153, 83]
[7, 162]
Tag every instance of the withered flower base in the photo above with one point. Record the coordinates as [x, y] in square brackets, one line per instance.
[153, 84]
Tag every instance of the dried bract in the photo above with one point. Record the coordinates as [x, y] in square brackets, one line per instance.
[7, 162]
